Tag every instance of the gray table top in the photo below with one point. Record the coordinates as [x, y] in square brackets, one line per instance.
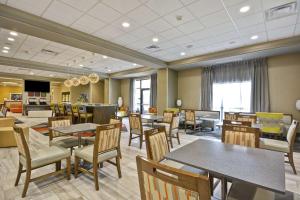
[260, 167]
[76, 128]
[151, 117]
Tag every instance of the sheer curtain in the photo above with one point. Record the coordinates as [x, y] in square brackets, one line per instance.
[255, 71]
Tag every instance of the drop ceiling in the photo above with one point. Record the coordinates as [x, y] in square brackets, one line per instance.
[205, 26]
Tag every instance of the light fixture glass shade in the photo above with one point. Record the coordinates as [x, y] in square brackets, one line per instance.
[84, 80]
[298, 104]
[120, 102]
[75, 81]
[178, 102]
[94, 78]
[68, 83]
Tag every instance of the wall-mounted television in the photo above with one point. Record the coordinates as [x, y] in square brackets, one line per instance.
[36, 86]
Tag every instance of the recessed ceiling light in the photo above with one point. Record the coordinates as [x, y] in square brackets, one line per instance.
[125, 24]
[134, 64]
[7, 48]
[104, 57]
[51, 75]
[155, 39]
[31, 73]
[11, 39]
[81, 65]
[4, 51]
[244, 9]
[109, 70]
[182, 53]
[254, 37]
[13, 33]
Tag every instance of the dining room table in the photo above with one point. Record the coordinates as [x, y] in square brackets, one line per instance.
[259, 167]
[76, 128]
[151, 118]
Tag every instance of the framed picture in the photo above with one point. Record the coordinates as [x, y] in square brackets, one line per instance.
[43, 94]
[16, 96]
[31, 94]
[37, 94]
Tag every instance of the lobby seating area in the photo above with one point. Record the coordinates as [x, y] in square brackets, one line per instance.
[150, 99]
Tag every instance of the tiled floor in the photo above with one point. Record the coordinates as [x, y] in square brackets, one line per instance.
[83, 187]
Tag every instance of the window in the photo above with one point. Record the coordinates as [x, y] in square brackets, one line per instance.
[232, 97]
[141, 95]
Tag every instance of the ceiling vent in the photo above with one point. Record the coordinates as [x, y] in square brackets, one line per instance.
[153, 48]
[49, 52]
[281, 11]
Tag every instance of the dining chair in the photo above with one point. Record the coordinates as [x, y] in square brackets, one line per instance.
[157, 147]
[241, 135]
[237, 123]
[52, 106]
[62, 110]
[230, 116]
[68, 110]
[136, 128]
[31, 160]
[159, 181]
[190, 120]
[173, 130]
[286, 147]
[57, 139]
[247, 118]
[105, 148]
[75, 113]
[4, 111]
[84, 114]
[167, 118]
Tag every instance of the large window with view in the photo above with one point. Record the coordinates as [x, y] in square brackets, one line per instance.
[232, 97]
[141, 95]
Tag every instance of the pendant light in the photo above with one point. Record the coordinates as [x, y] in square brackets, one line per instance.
[75, 81]
[94, 78]
[84, 80]
[68, 83]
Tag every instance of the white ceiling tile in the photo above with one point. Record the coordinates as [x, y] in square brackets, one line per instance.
[56, 10]
[181, 40]
[142, 33]
[253, 29]
[143, 15]
[121, 5]
[281, 22]
[230, 36]
[280, 33]
[297, 30]
[205, 7]
[82, 5]
[214, 19]
[158, 25]
[184, 13]
[255, 7]
[222, 28]
[271, 3]
[109, 32]
[262, 37]
[191, 27]
[36, 7]
[250, 20]
[104, 13]
[186, 2]
[125, 39]
[233, 2]
[88, 24]
[171, 33]
[164, 7]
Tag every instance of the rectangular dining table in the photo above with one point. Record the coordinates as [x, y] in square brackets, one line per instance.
[262, 168]
[152, 118]
[76, 128]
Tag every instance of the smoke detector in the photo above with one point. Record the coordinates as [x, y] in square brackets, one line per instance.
[49, 52]
[281, 11]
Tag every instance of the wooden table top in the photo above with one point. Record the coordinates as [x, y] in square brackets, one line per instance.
[260, 167]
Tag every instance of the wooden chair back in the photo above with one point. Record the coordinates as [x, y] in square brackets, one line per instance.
[68, 109]
[241, 135]
[232, 116]
[291, 134]
[156, 143]
[114, 121]
[247, 118]
[135, 122]
[82, 109]
[61, 108]
[55, 122]
[107, 138]
[237, 123]
[22, 145]
[190, 116]
[75, 108]
[167, 116]
[175, 122]
[157, 180]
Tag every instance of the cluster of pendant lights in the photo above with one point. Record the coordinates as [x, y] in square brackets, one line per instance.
[83, 80]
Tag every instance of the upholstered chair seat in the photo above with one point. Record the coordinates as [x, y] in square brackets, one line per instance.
[275, 145]
[45, 156]
[86, 153]
[87, 115]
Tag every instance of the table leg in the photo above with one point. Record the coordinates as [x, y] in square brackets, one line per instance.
[223, 188]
